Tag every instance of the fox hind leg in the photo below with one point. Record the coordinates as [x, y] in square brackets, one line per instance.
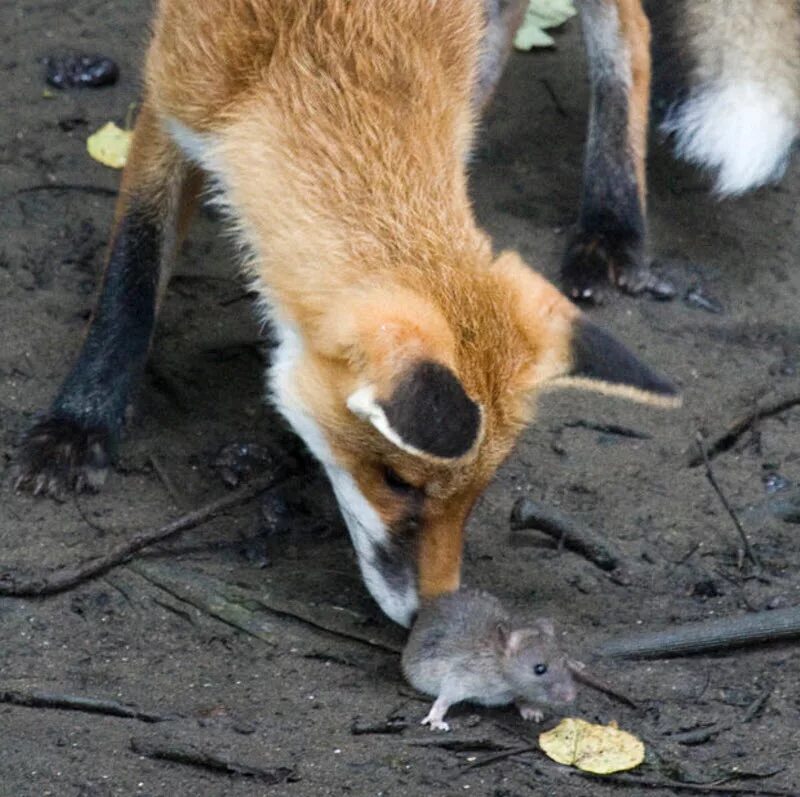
[608, 246]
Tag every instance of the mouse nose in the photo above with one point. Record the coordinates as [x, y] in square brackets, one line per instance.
[564, 693]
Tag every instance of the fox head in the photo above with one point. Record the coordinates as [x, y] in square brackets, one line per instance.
[412, 394]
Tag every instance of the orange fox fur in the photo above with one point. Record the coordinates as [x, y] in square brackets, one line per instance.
[336, 133]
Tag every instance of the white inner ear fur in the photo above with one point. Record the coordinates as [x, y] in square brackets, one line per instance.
[363, 403]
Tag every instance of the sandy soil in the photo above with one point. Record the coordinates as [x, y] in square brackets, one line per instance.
[287, 694]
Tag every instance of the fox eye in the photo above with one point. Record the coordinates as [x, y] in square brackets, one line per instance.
[539, 669]
[396, 483]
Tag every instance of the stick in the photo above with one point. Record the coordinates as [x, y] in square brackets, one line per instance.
[678, 785]
[491, 759]
[389, 726]
[206, 594]
[68, 576]
[166, 481]
[234, 606]
[726, 632]
[748, 551]
[757, 704]
[456, 745]
[90, 705]
[608, 428]
[186, 753]
[554, 97]
[728, 438]
[529, 514]
[698, 735]
[579, 670]
[86, 189]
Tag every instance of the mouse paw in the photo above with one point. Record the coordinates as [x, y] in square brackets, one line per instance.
[530, 713]
[435, 723]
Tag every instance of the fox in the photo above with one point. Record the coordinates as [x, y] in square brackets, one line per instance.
[722, 78]
[335, 135]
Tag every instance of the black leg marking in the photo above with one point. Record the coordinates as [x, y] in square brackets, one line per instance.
[70, 449]
[609, 243]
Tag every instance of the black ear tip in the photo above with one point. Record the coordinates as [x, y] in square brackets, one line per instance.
[599, 356]
[431, 412]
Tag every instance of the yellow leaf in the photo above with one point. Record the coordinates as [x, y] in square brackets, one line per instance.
[110, 145]
[539, 16]
[601, 749]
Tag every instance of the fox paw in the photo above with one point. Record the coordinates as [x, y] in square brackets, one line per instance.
[593, 264]
[58, 456]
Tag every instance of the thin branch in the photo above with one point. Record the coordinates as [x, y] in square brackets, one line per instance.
[718, 634]
[582, 674]
[234, 606]
[89, 705]
[169, 485]
[49, 583]
[99, 190]
[728, 438]
[181, 752]
[677, 785]
[529, 514]
[746, 550]
[503, 754]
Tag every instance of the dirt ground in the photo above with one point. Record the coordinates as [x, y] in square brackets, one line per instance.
[290, 696]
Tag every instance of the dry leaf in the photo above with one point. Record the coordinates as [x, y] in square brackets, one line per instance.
[542, 14]
[109, 145]
[601, 749]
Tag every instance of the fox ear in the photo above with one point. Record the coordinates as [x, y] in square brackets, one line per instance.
[599, 362]
[406, 385]
[566, 349]
[427, 412]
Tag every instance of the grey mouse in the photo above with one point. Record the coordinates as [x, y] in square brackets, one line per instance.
[464, 646]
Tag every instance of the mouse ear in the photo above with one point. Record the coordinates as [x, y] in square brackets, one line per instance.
[503, 631]
[545, 627]
[514, 642]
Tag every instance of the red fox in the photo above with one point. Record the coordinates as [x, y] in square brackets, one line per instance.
[335, 134]
[726, 90]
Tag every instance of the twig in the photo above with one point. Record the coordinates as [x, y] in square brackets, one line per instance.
[757, 704]
[89, 705]
[746, 550]
[581, 673]
[182, 752]
[457, 745]
[722, 633]
[389, 726]
[608, 428]
[528, 514]
[166, 481]
[728, 438]
[99, 190]
[698, 735]
[206, 594]
[227, 603]
[503, 754]
[554, 97]
[678, 785]
[68, 576]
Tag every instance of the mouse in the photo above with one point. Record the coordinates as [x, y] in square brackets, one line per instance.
[464, 646]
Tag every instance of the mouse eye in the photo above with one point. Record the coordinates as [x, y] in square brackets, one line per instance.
[396, 483]
[539, 669]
